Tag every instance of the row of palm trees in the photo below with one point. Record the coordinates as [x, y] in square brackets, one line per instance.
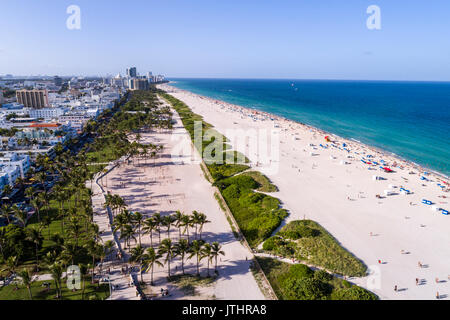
[131, 224]
[169, 250]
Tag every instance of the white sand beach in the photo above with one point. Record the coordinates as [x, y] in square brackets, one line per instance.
[332, 186]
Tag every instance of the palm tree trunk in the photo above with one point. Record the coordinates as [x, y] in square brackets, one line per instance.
[198, 270]
[182, 263]
[29, 292]
[151, 281]
[139, 234]
[168, 264]
[37, 259]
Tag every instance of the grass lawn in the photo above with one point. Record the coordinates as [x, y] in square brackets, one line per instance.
[106, 154]
[40, 292]
[55, 227]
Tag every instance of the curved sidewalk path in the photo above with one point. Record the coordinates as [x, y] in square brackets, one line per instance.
[103, 218]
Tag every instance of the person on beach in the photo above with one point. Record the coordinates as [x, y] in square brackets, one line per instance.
[395, 288]
[420, 264]
[437, 295]
[417, 281]
[379, 261]
[437, 280]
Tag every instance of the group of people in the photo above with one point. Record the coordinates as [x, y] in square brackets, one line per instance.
[418, 281]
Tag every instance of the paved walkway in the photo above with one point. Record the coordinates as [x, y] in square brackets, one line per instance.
[102, 217]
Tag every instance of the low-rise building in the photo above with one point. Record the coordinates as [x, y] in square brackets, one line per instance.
[22, 161]
[47, 113]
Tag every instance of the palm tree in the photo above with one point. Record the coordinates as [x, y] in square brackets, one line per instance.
[167, 222]
[6, 212]
[195, 218]
[36, 204]
[216, 250]
[137, 255]
[168, 249]
[20, 215]
[94, 250]
[149, 226]
[109, 247]
[50, 258]
[56, 271]
[149, 260]
[196, 250]
[206, 253]
[3, 240]
[126, 234]
[83, 272]
[75, 229]
[202, 220]
[70, 251]
[177, 218]
[158, 220]
[26, 280]
[137, 218]
[186, 223]
[29, 193]
[181, 249]
[7, 189]
[34, 235]
[120, 222]
[11, 265]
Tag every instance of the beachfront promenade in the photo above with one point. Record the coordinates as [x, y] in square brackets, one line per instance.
[119, 282]
[389, 231]
[166, 184]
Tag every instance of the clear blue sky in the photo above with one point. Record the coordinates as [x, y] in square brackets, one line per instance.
[312, 39]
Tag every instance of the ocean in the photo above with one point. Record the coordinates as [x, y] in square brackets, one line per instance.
[409, 119]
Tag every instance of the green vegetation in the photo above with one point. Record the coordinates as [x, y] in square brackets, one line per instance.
[299, 282]
[257, 214]
[264, 183]
[307, 241]
[42, 292]
[61, 231]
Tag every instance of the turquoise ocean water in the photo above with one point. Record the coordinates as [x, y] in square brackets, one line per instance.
[410, 119]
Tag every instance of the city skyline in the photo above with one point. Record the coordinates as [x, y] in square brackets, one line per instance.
[289, 40]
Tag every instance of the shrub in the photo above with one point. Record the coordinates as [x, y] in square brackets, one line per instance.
[263, 225]
[323, 276]
[271, 243]
[346, 284]
[294, 235]
[244, 182]
[231, 192]
[300, 271]
[305, 289]
[353, 293]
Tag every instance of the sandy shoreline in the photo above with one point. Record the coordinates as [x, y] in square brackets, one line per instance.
[329, 183]
[267, 115]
